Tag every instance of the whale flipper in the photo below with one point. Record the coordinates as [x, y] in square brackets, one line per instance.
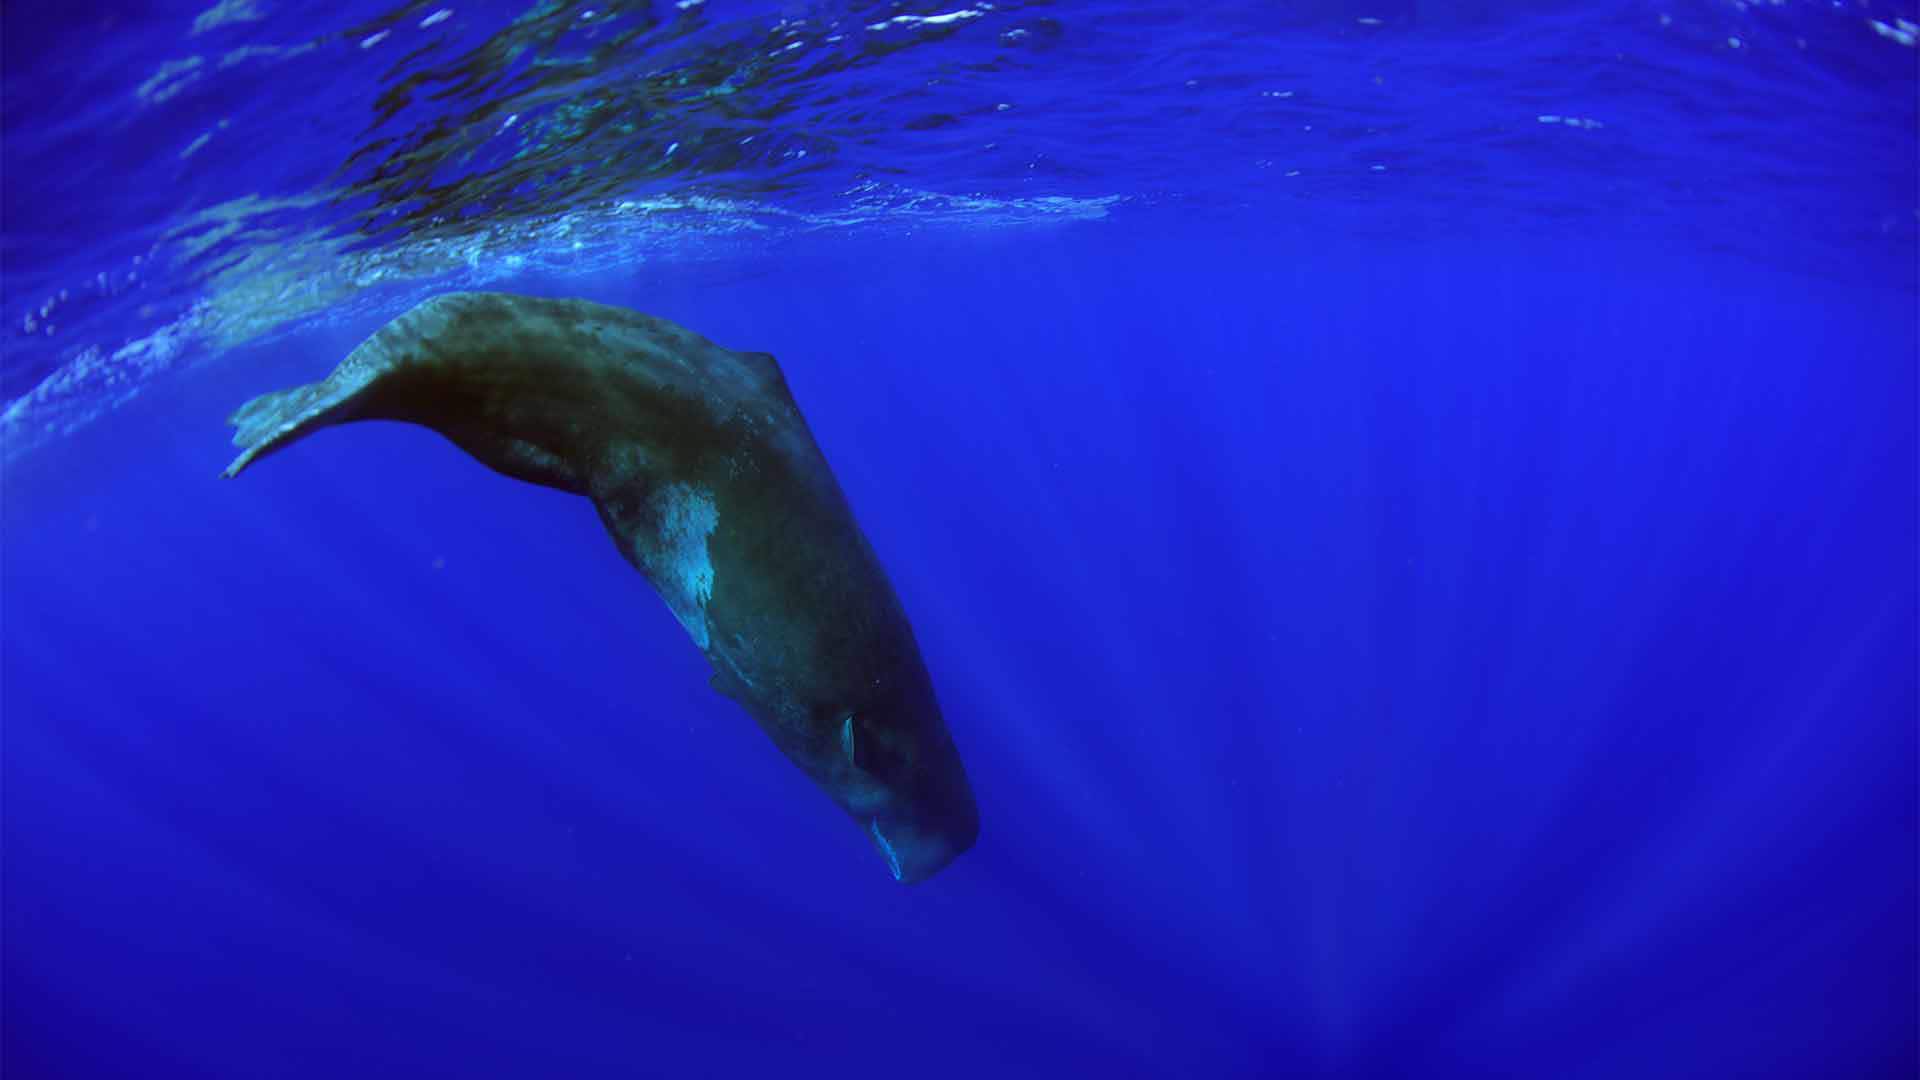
[711, 485]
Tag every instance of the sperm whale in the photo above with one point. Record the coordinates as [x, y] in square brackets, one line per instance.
[711, 484]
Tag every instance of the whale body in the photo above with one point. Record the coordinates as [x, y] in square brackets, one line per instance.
[711, 485]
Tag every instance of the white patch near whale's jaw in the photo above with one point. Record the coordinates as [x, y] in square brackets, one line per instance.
[886, 848]
[680, 566]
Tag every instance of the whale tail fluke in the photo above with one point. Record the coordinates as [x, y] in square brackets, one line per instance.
[279, 419]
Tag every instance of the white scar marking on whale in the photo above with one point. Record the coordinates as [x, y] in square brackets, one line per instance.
[886, 848]
[682, 569]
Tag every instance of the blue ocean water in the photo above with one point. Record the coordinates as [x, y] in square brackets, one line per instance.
[1410, 510]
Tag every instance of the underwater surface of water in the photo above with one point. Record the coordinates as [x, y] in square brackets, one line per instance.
[1409, 508]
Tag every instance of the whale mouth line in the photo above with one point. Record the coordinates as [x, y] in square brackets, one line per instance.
[886, 848]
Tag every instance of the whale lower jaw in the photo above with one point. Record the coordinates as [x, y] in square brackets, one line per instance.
[886, 849]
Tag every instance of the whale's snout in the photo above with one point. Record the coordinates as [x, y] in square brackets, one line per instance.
[919, 842]
[906, 786]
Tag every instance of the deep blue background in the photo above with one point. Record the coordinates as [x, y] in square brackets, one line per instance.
[1474, 657]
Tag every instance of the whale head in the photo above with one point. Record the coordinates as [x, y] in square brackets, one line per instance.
[892, 766]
